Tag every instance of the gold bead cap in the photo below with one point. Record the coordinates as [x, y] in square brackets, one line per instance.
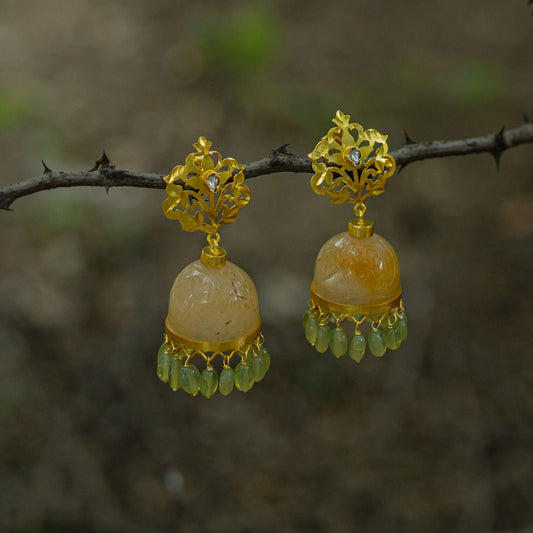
[213, 257]
[361, 228]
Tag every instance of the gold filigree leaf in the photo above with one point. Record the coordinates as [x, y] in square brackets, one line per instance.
[337, 159]
[176, 174]
[347, 139]
[174, 190]
[321, 150]
[169, 209]
[202, 146]
[342, 120]
[322, 180]
[189, 222]
[365, 151]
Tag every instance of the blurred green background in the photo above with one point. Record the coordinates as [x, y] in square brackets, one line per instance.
[437, 436]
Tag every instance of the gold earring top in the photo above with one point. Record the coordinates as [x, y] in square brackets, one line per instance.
[206, 193]
[351, 164]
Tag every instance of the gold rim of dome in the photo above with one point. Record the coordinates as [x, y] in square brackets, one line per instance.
[201, 346]
[355, 310]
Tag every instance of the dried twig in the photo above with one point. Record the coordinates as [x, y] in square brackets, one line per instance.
[103, 174]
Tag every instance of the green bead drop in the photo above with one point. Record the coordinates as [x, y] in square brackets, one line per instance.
[338, 342]
[322, 339]
[174, 380]
[259, 367]
[244, 378]
[357, 347]
[163, 363]
[402, 328]
[190, 379]
[305, 318]
[376, 343]
[311, 330]
[208, 382]
[397, 336]
[263, 352]
[392, 337]
[225, 382]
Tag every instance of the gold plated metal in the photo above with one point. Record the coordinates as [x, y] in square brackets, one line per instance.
[218, 347]
[361, 228]
[207, 191]
[214, 257]
[354, 310]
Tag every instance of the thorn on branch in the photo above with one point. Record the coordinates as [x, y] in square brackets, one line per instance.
[408, 139]
[500, 147]
[46, 169]
[500, 141]
[282, 150]
[5, 203]
[102, 162]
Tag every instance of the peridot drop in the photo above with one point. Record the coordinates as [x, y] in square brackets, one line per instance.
[174, 380]
[163, 363]
[190, 379]
[225, 382]
[402, 328]
[263, 352]
[305, 318]
[259, 366]
[311, 330]
[392, 337]
[322, 339]
[357, 347]
[338, 342]
[376, 343]
[244, 378]
[208, 382]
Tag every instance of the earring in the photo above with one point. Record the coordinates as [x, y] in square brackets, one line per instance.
[213, 314]
[356, 283]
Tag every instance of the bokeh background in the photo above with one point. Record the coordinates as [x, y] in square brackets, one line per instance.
[437, 436]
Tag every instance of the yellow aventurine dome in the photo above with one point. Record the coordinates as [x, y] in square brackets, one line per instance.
[214, 305]
[357, 271]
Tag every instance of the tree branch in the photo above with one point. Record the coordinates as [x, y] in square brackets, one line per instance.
[279, 160]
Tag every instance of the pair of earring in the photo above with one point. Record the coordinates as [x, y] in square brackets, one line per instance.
[213, 315]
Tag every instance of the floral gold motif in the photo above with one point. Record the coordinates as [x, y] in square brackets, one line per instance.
[351, 163]
[207, 191]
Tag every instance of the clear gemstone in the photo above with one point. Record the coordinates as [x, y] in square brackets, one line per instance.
[212, 182]
[354, 156]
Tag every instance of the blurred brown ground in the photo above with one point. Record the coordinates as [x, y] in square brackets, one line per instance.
[435, 437]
